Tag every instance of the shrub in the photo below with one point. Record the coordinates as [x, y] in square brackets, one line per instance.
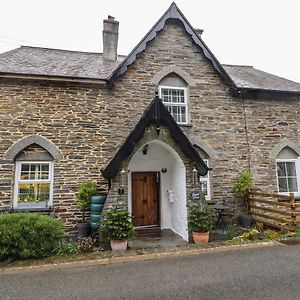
[27, 235]
[117, 225]
[200, 219]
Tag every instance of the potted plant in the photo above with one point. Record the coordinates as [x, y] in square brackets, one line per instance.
[243, 185]
[200, 222]
[117, 227]
[86, 190]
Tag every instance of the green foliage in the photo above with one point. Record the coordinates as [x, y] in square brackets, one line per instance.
[27, 235]
[200, 218]
[271, 234]
[230, 232]
[85, 245]
[297, 234]
[86, 190]
[243, 185]
[117, 225]
[247, 236]
[65, 248]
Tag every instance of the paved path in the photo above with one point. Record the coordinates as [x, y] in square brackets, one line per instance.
[260, 273]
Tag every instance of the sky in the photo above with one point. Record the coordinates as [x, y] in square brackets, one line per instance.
[261, 33]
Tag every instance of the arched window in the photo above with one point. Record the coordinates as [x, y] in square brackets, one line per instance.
[33, 178]
[288, 171]
[34, 158]
[173, 92]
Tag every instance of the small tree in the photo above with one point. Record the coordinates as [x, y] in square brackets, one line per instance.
[243, 186]
[86, 190]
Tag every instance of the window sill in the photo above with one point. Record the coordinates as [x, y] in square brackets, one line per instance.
[32, 209]
[188, 125]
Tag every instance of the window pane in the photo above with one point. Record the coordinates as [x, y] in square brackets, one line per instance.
[175, 113]
[290, 168]
[24, 172]
[25, 168]
[166, 95]
[45, 168]
[173, 97]
[204, 187]
[183, 114]
[282, 184]
[34, 172]
[287, 176]
[281, 169]
[292, 184]
[35, 192]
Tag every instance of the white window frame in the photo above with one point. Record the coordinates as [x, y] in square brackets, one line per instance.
[185, 104]
[206, 179]
[18, 181]
[297, 168]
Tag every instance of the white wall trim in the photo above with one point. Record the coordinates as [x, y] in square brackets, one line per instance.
[173, 215]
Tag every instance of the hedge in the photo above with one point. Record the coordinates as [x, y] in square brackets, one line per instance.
[28, 235]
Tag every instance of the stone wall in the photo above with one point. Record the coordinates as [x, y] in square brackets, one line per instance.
[269, 122]
[88, 123]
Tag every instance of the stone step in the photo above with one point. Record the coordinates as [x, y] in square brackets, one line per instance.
[147, 232]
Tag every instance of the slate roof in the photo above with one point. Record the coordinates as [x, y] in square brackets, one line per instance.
[250, 78]
[55, 62]
[62, 63]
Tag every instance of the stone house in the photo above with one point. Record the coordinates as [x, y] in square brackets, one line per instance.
[150, 128]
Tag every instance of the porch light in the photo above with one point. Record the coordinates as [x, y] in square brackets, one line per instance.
[122, 182]
[195, 176]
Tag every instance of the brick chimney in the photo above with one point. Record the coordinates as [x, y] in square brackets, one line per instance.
[110, 38]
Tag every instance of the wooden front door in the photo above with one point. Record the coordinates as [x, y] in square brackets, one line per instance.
[145, 198]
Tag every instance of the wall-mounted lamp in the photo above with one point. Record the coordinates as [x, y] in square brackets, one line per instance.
[164, 170]
[145, 149]
[121, 189]
[195, 176]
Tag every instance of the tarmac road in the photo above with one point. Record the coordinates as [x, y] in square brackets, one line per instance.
[257, 273]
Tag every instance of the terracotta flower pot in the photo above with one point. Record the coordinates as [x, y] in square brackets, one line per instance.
[118, 244]
[200, 237]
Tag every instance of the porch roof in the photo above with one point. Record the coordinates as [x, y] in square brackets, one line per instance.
[156, 113]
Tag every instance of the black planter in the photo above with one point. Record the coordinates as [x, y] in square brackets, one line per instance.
[83, 230]
[246, 221]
